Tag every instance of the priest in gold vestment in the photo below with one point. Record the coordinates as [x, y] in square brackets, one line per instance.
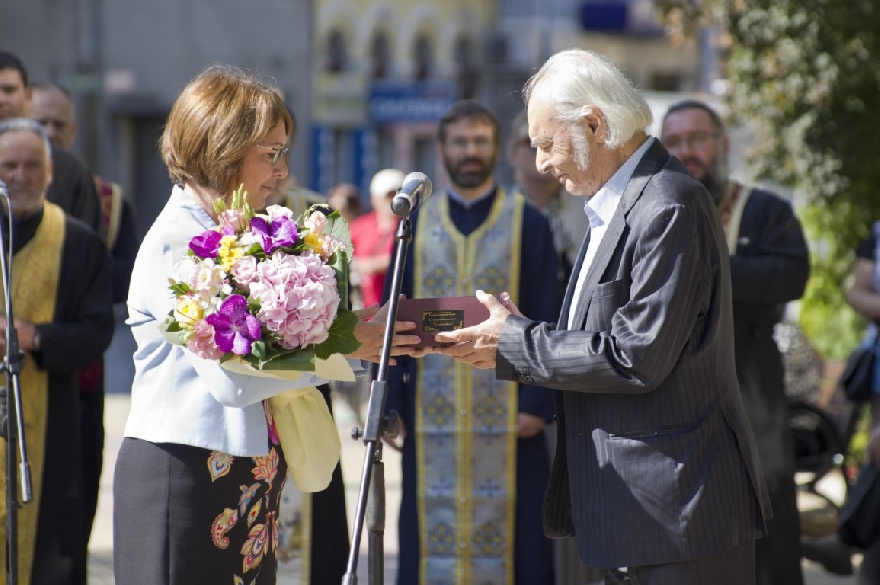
[475, 461]
[61, 302]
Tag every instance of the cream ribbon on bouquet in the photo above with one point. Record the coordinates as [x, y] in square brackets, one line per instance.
[308, 434]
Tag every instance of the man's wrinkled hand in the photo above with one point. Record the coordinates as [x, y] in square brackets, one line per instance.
[477, 345]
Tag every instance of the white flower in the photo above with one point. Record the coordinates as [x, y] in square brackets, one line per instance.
[274, 211]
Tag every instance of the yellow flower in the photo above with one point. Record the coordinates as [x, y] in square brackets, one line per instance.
[314, 242]
[188, 311]
[229, 252]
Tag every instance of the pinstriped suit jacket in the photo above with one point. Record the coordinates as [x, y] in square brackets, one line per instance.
[655, 461]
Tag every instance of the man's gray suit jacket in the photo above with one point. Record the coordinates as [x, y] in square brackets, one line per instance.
[655, 461]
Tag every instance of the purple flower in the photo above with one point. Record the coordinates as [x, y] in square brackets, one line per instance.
[206, 244]
[234, 327]
[280, 233]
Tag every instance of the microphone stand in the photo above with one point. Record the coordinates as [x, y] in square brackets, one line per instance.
[12, 427]
[376, 426]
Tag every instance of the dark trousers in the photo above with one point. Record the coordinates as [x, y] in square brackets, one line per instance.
[734, 566]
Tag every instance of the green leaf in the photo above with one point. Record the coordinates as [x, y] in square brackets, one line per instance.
[340, 266]
[338, 228]
[178, 288]
[173, 327]
[342, 339]
[300, 359]
[258, 349]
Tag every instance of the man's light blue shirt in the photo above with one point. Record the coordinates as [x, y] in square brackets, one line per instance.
[600, 209]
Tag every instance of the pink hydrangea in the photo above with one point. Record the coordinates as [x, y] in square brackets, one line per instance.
[244, 272]
[202, 343]
[298, 298]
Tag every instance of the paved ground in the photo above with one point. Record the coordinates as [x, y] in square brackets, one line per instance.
[119, 376]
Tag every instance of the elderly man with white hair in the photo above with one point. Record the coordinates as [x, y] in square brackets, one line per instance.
[656, 471]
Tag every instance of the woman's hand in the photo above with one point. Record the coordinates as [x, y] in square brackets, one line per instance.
[370, 331]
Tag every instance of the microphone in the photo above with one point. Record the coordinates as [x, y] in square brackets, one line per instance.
[4, 193]
[415, 189]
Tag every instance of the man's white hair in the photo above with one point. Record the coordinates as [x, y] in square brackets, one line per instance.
[576, 80]
[28, 125]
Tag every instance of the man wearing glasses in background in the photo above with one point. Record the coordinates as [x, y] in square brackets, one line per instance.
[769, 266]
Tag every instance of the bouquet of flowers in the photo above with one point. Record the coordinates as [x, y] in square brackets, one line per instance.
[266, 294]
[268, 289]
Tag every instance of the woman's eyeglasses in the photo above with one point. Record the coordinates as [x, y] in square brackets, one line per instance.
[277, 152]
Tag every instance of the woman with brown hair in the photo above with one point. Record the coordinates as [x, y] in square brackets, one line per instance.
[200, 472]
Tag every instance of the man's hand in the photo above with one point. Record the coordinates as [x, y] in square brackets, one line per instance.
[528, 425]
[477, 345]
[26, 332]
[370, 331]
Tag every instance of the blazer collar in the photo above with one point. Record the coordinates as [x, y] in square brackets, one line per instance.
[652, 161]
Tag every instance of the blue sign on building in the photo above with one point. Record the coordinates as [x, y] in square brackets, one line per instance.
[341, 155]
[418, 101]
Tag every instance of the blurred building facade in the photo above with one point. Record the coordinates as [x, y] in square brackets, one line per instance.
[125, 62]
[367, 79]
[389, 68]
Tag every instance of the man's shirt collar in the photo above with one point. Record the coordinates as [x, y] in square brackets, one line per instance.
[600, 207]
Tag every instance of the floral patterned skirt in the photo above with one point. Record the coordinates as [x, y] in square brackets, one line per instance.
[190, 515]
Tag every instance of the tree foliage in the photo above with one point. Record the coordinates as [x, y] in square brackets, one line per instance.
[806, 75]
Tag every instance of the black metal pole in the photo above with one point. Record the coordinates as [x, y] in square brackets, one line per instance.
[372, 488]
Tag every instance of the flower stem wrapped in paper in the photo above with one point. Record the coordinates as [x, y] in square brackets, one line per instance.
[266, 295]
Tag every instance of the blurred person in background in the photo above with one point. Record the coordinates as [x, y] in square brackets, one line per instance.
[72, 188]
[373, 236]
[346, 199]
[864, 297]
[61, 294]
[769, 266]
[51, 106]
